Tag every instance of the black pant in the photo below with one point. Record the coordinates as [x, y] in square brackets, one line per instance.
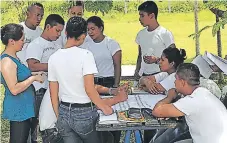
[34, 121]
[19, 131]
[105, 81]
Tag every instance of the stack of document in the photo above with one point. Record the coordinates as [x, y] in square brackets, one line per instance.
[205, 61]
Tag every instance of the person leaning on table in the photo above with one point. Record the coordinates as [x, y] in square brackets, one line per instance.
[18, 104]
[204, 113]
[71, 71]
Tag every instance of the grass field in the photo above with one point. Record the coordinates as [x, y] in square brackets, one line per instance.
[124, 29]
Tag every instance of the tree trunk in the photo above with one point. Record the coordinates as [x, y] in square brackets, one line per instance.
[169, 6]
[196, 28]
[219, 46]
[126, 9]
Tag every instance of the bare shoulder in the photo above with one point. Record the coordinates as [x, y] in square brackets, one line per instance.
[7, 64]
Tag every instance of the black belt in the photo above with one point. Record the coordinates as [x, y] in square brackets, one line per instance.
[78, 105]
[103, 79]
[144, 74]
[48, 131]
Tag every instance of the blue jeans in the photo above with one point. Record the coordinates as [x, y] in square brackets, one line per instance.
[77, 124]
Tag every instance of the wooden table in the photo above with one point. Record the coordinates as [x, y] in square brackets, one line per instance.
[149, 124]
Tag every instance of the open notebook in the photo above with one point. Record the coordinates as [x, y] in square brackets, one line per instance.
[204, 62]
[134, 101]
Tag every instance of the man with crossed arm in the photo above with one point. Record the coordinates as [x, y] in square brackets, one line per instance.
[204, 113]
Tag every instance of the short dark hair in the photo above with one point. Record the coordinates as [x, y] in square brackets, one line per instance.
[53, 20]
[77, 3]
[75, 27]
[175, 55]
[34, 4]
[97, 21]
[11, 31]
[189, 72]
[149, 7]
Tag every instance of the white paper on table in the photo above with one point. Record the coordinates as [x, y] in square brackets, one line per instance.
[134, 101]
[110, 119]
[218, 61]
[203, 66]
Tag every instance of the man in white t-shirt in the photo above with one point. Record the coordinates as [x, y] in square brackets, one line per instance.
[205, 114]
[152, 40]
[71, 71]
[32, 30]
[40, 49]
[77, 9]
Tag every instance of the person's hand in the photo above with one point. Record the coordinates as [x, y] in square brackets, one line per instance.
[107, 110]
[150, 59]
[122, 94]
[151, 86]
[40, 77]
[173, 93]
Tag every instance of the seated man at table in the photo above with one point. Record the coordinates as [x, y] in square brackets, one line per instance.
[204, 113]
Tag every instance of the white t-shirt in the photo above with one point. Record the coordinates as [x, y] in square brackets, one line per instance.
[166, 80]
[205, 115]
[30, 35]
[41, 50]
[68, 67]
[103, 53]
[153, 43]
[47, 117]
[160, 76]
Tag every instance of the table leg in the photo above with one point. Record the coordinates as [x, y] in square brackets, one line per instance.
[138, 136]
[127, 136]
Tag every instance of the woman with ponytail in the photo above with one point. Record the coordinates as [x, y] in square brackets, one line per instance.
[160, 83]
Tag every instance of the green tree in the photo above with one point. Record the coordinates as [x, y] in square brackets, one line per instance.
[220, 22]
[96, 6]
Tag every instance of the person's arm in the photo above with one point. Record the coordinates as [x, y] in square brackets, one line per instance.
[101, 89]
[35, 65]
[34, 53]
[153, 87]
[121, 94]
[54, 89]
[117, 68]
[94, 96]
[143, 78]
[165, 108]
[53, 85]
[138, 63]
[9, 72]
